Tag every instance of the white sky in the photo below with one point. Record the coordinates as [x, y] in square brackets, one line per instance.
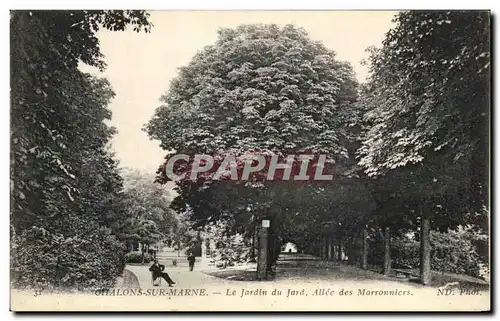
[140, 66]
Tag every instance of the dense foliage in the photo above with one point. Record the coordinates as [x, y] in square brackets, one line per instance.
[258, 89]
[428, 90]
[230, 246]
[418, 125]
[453, 251]
[65, 187]
[41, 259]
[138, 257]
[426, 136]
[427, 109]
[149, 217]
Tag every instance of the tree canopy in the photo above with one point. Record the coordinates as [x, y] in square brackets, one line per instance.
[149, 216]
[427, 108]
[258, 87]
[417, 126]
[410, 143]
[261, 88]
[427, 93]
[65, 187]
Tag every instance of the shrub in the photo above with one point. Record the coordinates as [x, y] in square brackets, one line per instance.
[229, 246]
[136, 257]
[405, 252]
[40, 259]
[454, 251]
[375, 250]
[194, 248]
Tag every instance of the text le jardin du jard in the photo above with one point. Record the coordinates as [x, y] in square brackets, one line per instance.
[318, 292]
[287, 292]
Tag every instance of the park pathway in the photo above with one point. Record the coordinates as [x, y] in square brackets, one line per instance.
[179, 274]
[303, 284]
[300, 269]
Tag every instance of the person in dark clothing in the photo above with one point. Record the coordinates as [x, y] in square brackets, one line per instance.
[157, 270]
[191, 260]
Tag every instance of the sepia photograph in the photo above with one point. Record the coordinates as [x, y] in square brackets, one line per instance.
[250, 160]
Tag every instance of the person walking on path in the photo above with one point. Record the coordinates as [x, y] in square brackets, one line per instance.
[191, 260]
[157, 271]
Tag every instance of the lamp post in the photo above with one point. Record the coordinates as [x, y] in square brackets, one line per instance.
[253, 228]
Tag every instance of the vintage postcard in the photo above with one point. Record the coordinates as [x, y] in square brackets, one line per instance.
[250, 160]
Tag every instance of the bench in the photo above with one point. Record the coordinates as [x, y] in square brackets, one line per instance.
[153, 279]
[406, 273]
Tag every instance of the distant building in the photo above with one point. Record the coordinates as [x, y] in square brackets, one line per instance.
[289, 248]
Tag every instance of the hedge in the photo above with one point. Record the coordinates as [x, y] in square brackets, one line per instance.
[40, 259]
[452, 251]
[136, 257]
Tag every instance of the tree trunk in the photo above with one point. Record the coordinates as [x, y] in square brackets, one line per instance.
[425, 251]
[179, 246]
[329, 248]
[387, 251]
[339, 251]
[364, 254]
[322, 248]
[262, 259]
[253, 241]
[142, 252]
[272, 250]
[348, 249]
